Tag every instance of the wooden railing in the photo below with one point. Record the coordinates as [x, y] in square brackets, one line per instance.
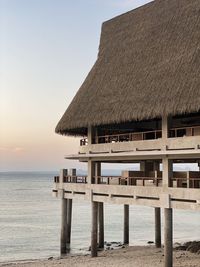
[132, 181]
[119, 180]
[138, 136]
[186, 183]
[71, 179]
[184, 131]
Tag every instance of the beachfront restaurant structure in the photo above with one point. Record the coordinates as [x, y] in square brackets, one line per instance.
[140, 103]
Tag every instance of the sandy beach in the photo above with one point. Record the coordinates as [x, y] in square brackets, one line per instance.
[127, 257]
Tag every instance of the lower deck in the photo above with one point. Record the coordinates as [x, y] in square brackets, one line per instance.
[179, 198]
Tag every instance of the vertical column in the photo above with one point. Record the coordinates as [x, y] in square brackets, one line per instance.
[63, 237]
[72, 174]
[63, 174]
[126, 224]
[69, 223]
[157, 212]
[147, 167]
[101, 224]
[158, 227]
[90, 135]
[166, 122]
[94, 229]
[167, 172]
[97, 172]
[91, 171]
[168, 226]
[168, 238]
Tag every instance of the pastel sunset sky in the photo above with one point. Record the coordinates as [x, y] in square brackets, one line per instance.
[47, 47]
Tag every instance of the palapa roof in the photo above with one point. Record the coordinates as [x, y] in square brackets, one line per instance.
[148, 66]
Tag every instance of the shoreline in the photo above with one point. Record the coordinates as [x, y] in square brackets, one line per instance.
[137, 256]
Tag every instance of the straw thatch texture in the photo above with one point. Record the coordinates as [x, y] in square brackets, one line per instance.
[148, 66]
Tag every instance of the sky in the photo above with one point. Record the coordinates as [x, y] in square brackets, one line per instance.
[47, 47]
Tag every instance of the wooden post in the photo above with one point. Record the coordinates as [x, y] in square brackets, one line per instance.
[101, 224]
[168, 238]
[126, 224]
[63, 238]
[157, 228]
[94, 229]
[69, 223]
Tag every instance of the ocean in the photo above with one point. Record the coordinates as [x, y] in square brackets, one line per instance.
[30, 220]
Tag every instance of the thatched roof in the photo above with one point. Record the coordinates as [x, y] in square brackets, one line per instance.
[148, 66]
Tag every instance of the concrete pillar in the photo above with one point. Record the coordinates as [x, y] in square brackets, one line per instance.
[97, 172]
[157, 212]
[101, 224]
[126, 224]
[168, 238]
[63, 237]
[94, 229]
[90, 135]
[63, 174]
[72, 173]
[198, 164]
[91, 171]
[69, 222]
[166, 123]
[147, 167]
[167, 172]
[157, 227]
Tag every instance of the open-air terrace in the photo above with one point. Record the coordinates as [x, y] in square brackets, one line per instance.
[189, 179]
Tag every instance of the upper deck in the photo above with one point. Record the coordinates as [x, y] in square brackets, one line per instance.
[187, 138]
[178, 137]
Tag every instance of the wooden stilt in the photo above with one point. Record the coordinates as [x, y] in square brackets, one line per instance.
[94, 229]
[101, 224]
[69, 223]
[157, 228]
[126, 224]
[168, 238]
[63, 238]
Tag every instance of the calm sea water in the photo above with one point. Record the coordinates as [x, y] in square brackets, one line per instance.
[30, 220]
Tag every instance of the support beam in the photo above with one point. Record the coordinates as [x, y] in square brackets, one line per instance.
[101, 224]
[90, 135]
[166, 122]
[91, 171]
[126, 224]
[168, 238]
[157, 228]
[148, 167]
[157, 214]
[167, 172]
[69, 222]
[94, 229]
[97, 172]
[63, 237]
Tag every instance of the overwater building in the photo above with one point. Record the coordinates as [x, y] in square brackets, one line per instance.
[140, 103]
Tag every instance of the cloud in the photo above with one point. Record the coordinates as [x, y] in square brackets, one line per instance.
[11, 149]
